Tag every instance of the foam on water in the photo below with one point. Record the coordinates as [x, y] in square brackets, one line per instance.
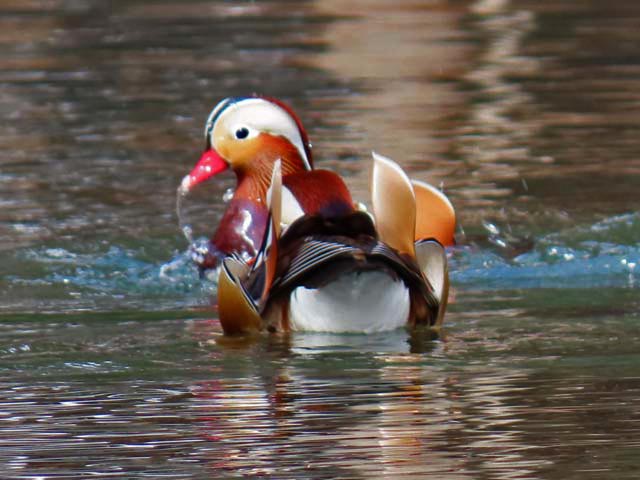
[604, 254]
[114, 278]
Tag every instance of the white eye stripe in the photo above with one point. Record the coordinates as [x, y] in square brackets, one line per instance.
[257, 115]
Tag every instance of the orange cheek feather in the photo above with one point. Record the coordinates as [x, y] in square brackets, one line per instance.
[270, 148]
[256, 156]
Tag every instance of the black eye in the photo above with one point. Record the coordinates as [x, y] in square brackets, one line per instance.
[242, 133]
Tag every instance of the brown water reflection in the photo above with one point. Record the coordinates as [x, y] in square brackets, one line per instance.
[342, 413]
[150, 398]
[395, 416]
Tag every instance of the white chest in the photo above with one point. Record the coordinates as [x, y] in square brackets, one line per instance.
[365, 302]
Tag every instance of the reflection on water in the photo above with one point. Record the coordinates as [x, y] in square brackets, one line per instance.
[111, 358]
[342, 410]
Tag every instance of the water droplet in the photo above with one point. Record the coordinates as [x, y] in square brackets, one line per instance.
[500, 243]
[187, 231]
[58, 253]
[228, 195]
[491, 228]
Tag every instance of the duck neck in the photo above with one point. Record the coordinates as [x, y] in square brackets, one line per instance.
[254, 181]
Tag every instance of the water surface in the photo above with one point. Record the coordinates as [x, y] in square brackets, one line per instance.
[112, 364]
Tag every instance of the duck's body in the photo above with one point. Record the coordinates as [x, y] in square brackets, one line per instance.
[244, 222]
[339, 273]
[358, 301]
[334, 269]
[335, 275]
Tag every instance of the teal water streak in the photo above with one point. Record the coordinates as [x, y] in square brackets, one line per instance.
[602, 255]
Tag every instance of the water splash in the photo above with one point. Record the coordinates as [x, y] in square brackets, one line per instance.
[199, 248]
[185, 228]
[604, 254]
[113, 277]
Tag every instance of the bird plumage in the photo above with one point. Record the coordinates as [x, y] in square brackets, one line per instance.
[296, 253]
[248, 135]
[337, 273]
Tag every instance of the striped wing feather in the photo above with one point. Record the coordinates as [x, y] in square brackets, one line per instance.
[237, 311]
[319, 253]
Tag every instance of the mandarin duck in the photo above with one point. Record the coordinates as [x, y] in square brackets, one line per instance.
[343, 271]
[249, 134]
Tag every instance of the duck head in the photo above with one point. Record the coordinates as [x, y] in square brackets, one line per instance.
[248, 135]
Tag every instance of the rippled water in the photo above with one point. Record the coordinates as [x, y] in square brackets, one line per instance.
[111, 360]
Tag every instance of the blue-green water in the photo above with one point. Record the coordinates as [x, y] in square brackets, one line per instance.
[111, 359]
